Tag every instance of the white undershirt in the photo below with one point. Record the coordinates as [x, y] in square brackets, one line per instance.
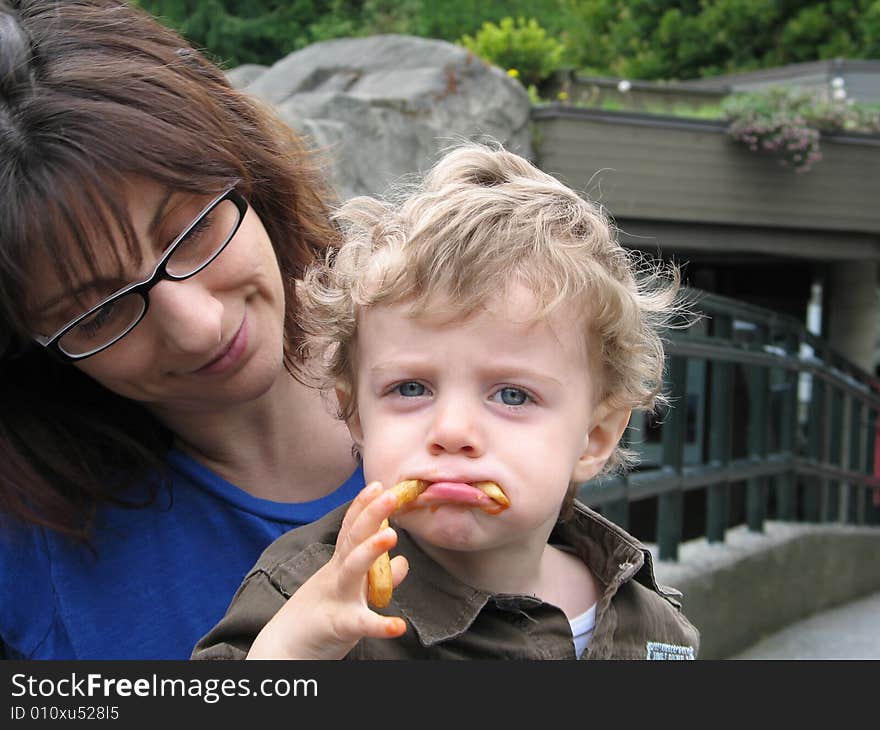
[582, 629]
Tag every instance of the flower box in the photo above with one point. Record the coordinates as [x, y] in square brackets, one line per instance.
[660, 168]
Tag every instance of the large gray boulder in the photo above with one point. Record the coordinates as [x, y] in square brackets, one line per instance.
[241, 76]
[383, 107]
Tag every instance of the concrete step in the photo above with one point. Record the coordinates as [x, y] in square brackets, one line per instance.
[849, 631]
[755, 584]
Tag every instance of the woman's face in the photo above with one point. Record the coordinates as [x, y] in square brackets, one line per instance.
[211, 340]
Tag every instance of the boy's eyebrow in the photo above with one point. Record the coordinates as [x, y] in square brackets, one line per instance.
[502, 371]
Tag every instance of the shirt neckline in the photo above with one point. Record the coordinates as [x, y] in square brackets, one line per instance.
[309, 511]
[584, 622]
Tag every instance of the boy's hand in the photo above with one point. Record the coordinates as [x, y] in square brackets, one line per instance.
[329, 614]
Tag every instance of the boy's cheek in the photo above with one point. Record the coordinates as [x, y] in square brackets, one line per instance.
[389, 433]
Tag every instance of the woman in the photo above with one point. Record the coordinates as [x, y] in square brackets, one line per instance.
[155, 438]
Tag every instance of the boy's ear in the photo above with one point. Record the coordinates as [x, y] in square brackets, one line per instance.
[343, 396]
[603, 437]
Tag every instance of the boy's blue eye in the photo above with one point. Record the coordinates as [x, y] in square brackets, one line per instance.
[410, 389]
[513, 396]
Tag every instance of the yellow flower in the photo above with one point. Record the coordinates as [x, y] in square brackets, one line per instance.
[513, 73]
[562, 96]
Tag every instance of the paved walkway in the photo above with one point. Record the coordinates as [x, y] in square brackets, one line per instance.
[850, 631]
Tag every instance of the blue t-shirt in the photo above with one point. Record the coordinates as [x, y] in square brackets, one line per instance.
[162, 577]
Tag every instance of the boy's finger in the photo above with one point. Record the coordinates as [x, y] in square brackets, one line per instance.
[369, 519]
[365, 497]
[357, 563]
[399, 569]
[381, 627]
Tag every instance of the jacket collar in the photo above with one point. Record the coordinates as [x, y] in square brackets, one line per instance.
[440, 607]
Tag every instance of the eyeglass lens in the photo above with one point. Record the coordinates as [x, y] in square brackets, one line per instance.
[110, 322]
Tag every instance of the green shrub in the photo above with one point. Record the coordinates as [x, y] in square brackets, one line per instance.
[681, 39]
[521, 46]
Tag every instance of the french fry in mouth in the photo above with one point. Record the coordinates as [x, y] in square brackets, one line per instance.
[493, 491]
[407, 490]
[379, 585]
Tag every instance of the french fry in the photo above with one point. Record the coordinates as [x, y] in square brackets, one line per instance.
[493, 491]
[379, 585]
[408, 490]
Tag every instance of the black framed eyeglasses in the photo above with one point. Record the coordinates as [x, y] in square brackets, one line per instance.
[113, 318]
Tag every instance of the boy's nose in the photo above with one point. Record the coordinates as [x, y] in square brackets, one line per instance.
[455, 430]
[187, 315]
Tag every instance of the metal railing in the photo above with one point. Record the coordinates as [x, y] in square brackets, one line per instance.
[762, 413]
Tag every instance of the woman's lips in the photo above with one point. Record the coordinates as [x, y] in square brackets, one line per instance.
[230, 355]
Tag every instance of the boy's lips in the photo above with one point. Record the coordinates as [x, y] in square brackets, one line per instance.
[487, 496]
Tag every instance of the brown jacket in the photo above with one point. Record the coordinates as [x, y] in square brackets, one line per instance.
[635, 617]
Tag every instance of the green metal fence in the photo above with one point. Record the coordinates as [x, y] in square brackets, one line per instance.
[763, 414]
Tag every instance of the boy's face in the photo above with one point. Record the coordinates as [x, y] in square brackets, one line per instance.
[496, 397]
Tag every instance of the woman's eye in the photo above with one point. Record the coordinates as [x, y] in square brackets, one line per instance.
[194, 236]
[512, 396]
[410, 389]
[93, 325]
[186, 217]
[201, 228]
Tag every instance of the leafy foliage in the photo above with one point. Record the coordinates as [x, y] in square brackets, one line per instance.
[667, 39]
[645, 39]
[451, 19]
[522, 46]
[263, 31]
[239, 31]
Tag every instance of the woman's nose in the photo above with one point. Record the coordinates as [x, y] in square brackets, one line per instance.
[456, 429]
[187, 315]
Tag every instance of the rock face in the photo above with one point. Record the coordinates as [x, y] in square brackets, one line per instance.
[241, 76]
[383, 107]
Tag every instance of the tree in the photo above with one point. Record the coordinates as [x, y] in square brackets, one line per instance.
[647, 39]
[256, 31]
[262, 31]
[666, 39]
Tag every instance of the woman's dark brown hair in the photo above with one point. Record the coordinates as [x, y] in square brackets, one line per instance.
[92, 94]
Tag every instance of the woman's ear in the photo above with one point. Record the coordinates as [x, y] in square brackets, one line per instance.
[601, 440]
[343, 396]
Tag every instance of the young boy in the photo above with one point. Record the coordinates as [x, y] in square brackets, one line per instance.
[488, 329]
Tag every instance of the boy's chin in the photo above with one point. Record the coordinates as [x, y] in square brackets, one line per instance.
[447, 527]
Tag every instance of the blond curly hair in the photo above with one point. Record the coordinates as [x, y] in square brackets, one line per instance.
[482, 218]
